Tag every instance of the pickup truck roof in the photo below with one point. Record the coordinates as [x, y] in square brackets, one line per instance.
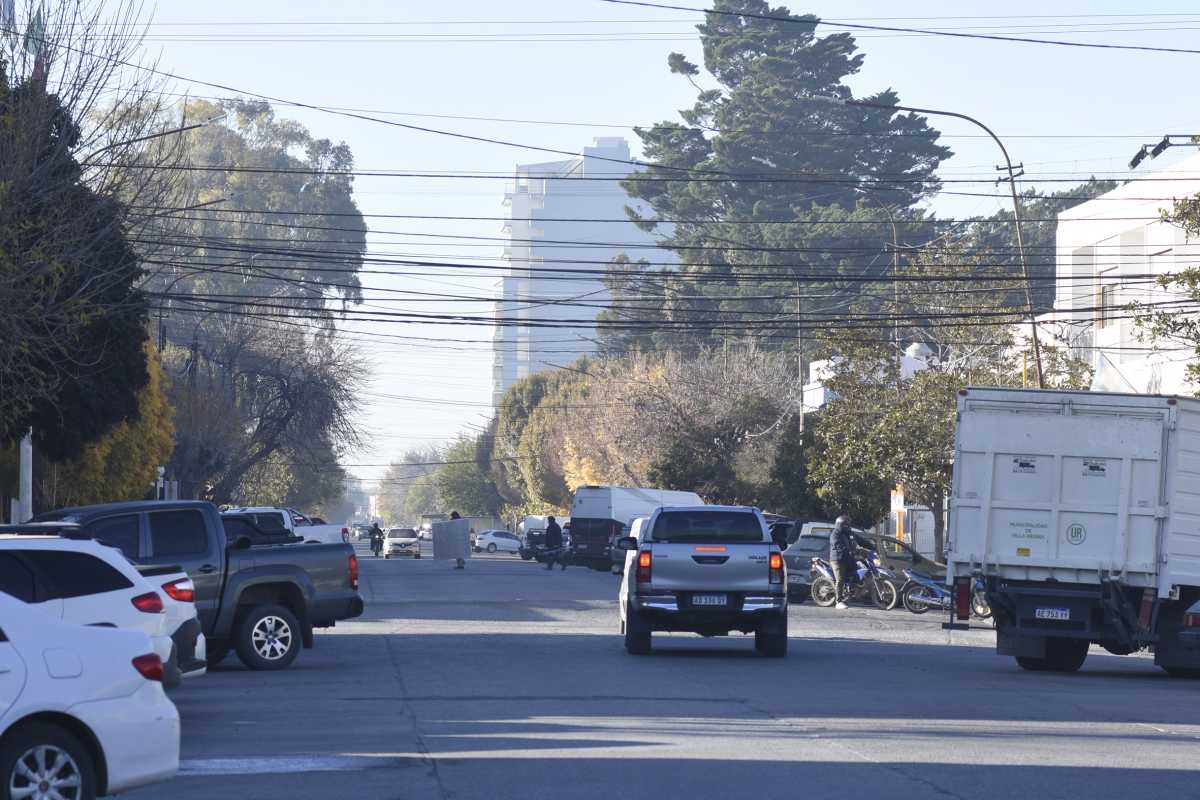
[80, 514]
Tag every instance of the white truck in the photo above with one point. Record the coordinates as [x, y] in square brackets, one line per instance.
[1080, 513]
[602, 514]
[289, 519]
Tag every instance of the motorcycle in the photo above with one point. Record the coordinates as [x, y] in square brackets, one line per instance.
[980, 607]
[921, 593]
[376, 545]
[870, 582]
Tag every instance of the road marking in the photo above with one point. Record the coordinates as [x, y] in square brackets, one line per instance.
[285, 764]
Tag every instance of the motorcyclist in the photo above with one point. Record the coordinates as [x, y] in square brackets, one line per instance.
[376, 539]
[842, 558]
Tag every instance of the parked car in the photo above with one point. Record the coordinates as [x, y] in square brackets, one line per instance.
[262, 602]
[497, 541]
[189, 653]
[83, 582]
[272, 518]
[82, 709]
[401, 542]
[704, 569]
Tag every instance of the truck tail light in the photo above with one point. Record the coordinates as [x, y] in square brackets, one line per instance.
[645, 566]
[962, 598]
[1191, 620]
[150, 667]
[149, 602]
[182, 590]
[776, 568]
[353, 571]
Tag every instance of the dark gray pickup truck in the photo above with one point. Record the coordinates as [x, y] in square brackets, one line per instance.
[262, 602]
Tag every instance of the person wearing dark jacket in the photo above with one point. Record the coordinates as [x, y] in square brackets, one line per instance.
[843, 550]
[554, 543]
[376, 539]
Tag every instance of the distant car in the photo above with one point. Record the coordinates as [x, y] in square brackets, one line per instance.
[82, 709]
[401, 542]
[497, 541]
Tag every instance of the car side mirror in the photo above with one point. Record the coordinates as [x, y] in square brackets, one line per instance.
[627, 543]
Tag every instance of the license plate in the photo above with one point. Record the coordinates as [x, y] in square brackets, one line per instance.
[795, 579]
[708, 600]
[1053, 613]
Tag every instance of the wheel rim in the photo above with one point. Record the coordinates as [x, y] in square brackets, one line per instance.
[885, 594]
[271, 637]
[825, 593]
[491, 548]
[46, 772]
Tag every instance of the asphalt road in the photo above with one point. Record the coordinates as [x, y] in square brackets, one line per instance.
[504, 680]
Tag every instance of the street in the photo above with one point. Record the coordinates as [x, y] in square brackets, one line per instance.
[505, 680]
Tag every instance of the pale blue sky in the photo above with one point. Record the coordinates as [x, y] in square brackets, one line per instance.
[489, 59]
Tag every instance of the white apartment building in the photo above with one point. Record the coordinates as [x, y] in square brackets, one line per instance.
[553, 245]
[1108, 252]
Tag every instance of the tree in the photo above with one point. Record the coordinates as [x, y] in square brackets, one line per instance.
[1178, 324]
[757, 149]
[404, 477]
[463, 486]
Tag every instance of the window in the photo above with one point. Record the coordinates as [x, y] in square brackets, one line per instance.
[178, 533]
[269, 521]
[812, 544]
[119, 532]
[70, 574]
[17, 579]
[235, 528]
[707, 526]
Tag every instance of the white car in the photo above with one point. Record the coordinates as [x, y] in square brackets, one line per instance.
[189, 657]
[271, 518]
[497, 541]
[83, 582]
[82, 709]
[401, 542]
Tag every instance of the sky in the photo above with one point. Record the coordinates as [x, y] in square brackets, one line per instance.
[556, 74]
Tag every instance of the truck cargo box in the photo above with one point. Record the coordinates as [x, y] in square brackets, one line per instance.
[1076, 487]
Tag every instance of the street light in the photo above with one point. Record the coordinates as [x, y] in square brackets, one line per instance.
[1156, 150]
[1012, 185]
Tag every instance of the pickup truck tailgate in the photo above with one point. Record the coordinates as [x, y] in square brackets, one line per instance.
[691, 567]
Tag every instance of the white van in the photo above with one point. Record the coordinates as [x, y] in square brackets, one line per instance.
[601, 514]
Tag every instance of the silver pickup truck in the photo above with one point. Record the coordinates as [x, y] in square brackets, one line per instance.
[704, 569]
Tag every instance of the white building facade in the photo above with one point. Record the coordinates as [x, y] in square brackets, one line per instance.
[1109, 252]
[566, 222]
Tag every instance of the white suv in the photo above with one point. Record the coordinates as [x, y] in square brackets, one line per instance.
[83, 582]
[82, 709]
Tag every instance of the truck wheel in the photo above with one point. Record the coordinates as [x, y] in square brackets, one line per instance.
[637, 635]
[1062, 655]
[823, 592]
[40, 759]
[268, 638]
[771, 638]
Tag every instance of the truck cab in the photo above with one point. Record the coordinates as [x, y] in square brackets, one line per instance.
[703, 569]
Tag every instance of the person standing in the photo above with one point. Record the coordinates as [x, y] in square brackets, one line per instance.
[459, 563]
[842, 549]
[554, 544]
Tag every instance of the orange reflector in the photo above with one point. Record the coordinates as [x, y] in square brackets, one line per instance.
[710, 549]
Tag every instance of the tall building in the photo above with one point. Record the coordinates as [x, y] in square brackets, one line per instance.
[554, 241]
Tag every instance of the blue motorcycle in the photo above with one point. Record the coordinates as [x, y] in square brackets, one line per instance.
[921, 593]
[871, 583]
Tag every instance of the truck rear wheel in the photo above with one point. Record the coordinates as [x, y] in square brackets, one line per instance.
[637, 635]
[771, 638]
[268, 638]
[1062, 655]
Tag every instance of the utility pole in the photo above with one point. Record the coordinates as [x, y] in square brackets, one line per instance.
[800, 350]
[25, 482]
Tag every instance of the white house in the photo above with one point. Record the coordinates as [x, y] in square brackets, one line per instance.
[1108, 252]
[567, 215]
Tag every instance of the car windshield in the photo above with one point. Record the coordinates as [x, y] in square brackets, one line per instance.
[707, 526]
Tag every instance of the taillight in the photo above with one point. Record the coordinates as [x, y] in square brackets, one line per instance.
[776, 568]
[645, 564]
[182, 590]
[150, 666]
[962, 598]
[1191, 620]
[149, 602]
[353, 572]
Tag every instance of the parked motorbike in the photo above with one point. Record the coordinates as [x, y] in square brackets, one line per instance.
[921, 593]
[870, 583]
[980, 607]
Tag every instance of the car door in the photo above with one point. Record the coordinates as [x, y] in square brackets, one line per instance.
[19, 579]
[180, 536]
[12, 673]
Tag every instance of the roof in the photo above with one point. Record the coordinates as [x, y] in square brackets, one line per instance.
[75, 513]
[742, 509]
